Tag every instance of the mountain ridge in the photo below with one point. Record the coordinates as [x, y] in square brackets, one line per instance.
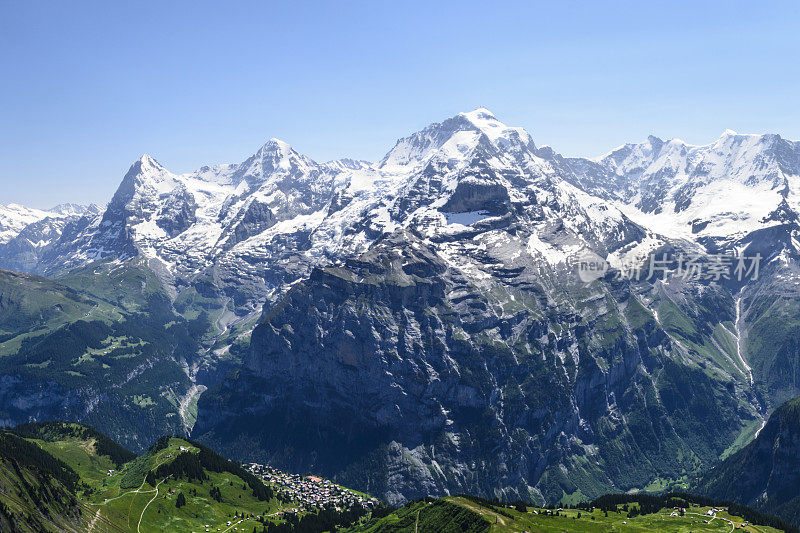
[446, 272]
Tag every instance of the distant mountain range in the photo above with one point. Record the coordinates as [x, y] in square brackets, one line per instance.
[416, 326]
[25, 232]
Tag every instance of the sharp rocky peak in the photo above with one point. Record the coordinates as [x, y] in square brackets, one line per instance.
[276, 156]
[455, 137]
[147, 162]
[487, 123]
[145, 172]
[275, 147]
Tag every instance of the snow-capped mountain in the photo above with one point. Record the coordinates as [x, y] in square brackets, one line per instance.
[25, 233]
[431, 299]
[716, 193]
[14, 217]
[241, 215]
[75, 210]
[721, 191]
[248, 231]
[466, 303]
[266, 221]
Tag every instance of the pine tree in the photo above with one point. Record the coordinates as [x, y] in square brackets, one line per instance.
[181, 501]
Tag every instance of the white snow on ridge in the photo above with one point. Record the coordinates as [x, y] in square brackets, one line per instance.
[723, 190]
[553, 255]
[296, 190]
[466, 219]
[497, 132]
[279, 207]
[75, 210]
[14, 218]
[730, 209]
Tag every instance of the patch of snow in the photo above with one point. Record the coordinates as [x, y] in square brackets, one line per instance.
[466, 219]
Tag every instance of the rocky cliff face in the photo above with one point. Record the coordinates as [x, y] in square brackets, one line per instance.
[500, 387]
[462, 354]
[418, 326]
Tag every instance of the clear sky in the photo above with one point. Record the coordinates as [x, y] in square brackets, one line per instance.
[87, 87]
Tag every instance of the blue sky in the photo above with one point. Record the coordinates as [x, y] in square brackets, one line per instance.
[88, 87]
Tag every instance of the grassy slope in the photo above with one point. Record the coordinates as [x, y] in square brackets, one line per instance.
[31, 306]
[24, 509]
[441, 516]
[484, 518]
[596, 521]
[127, 500]
[37, 490]
[93, 331]
[124, 501]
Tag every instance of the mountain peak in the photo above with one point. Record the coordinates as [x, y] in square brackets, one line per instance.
[276, 150]
[274, 156]
[148, 160]
[757, 137]
[479, 114]
[500, 134]
[144, 170]
[276, 145]
[14, 217]
[146, 165]
[457, 135]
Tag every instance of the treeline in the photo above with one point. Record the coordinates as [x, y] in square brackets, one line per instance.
[649, 504]
[327, 519]
[20, 452]
[192, 465]
[185, 465]
[216, 463]
[58, 430]
[74, 338]
[160, 444]
[40, 480]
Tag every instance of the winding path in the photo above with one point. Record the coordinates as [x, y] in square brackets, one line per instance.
[135, 491]
[139, 525]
